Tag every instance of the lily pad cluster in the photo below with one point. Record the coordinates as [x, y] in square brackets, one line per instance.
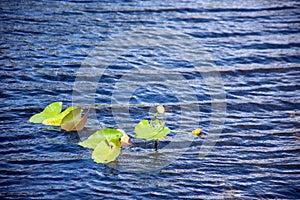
[153, 129]
[105, 143]
[69, 120]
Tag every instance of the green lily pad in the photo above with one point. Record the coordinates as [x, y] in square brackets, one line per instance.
[56, 120]
[99, 136]
[50, 111]
[151, 131]
[107, 151]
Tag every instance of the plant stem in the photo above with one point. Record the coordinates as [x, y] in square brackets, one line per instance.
[155, 116]
[180, 131]
[156, 145]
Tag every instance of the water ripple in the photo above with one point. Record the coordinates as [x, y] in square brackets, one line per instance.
[254, 46]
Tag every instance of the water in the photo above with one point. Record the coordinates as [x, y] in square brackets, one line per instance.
[253, 45]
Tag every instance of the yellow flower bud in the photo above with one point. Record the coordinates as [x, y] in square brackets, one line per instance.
[197, 132]
[160, 109]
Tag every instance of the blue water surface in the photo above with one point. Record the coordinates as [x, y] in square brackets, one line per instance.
[253, 45]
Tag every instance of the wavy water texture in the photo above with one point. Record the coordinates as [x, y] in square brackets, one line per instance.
[254, 45]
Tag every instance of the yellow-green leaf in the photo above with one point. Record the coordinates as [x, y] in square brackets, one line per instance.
[50, 111]
[143, 130]
[106, 151]
[73, 120]
[99, 136]
[56, 120]
[153, 131]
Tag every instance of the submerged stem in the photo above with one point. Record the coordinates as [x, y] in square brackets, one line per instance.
[156, 145]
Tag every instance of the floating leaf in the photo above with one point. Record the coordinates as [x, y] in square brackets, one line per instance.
[56, 121]
[73, 120]
[50, 111]
[70, 120]
[99, 136]
[161, 134]
[143, 130]
[155, 131]
[107, 151]
[80, 125]
[106, 144]
[157, 124]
